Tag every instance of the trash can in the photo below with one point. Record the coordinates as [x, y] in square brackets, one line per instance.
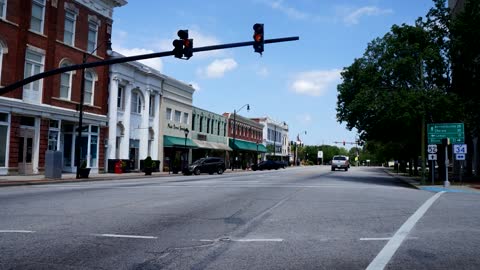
[53, 164]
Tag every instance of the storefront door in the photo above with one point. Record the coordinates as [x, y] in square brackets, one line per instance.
[25, 151]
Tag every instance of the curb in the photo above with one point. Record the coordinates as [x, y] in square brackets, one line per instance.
[402, 178]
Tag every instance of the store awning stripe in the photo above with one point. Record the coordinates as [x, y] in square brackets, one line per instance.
[171, 141]
[212, 145]
[247, 146]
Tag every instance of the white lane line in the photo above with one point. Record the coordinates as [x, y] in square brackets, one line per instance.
[125, 236]
[375, 239]
[227, 239]
[393, 244]
[381, 238]
[258, 240]
[16, 231]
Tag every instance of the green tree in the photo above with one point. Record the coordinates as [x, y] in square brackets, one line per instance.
[401, 79]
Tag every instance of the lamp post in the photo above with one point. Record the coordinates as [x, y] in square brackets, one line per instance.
[185, 160]
[234, 130]
[296, 146]
[256, 156]
[80, 106]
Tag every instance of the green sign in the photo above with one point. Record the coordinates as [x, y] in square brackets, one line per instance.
[439, 131]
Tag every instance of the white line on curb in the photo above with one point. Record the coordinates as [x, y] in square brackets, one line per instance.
[126, 236]
[393, 244]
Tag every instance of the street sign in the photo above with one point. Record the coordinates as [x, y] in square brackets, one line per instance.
[438, 131]
[460, 156]
[432, 149]
[459, 148]
[432, 156]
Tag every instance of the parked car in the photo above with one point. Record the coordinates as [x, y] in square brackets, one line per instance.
[209, 165]
[268, 165]
[340, 162]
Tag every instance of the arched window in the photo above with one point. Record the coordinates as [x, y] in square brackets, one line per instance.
[90, 78]
[66, 82]
[218, 128]
[3, 50]
[208, 125]
[200, 127]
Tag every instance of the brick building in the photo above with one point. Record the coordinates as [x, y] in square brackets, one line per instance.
[246, 140]
[41, 35]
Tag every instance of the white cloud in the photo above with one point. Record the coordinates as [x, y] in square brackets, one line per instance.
[217, 68]
[195, 86]
[305, 118]
[314, 83]
[289, 11]
[263, 72]
[353, 16]
[155, 63]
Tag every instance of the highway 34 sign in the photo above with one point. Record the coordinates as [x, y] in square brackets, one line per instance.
[459, 148]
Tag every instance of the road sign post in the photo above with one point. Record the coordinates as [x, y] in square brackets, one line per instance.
[432, 156]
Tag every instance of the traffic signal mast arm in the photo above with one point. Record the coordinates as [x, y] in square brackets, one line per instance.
[118, 60]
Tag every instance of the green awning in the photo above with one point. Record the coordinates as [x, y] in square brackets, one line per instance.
[170, 141]
[247, 146]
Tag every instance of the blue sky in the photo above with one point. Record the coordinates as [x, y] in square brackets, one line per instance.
[293, 81]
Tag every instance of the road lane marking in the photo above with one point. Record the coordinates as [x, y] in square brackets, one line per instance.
[381, 238]
[228, 239]
[393, 244]
[16, 231]
[125, 236]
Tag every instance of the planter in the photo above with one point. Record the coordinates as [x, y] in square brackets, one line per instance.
[84, 172]
[148, 171]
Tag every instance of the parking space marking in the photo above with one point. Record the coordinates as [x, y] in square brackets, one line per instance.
[386, 254]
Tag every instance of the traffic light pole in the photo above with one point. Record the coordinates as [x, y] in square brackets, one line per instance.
[118, 60]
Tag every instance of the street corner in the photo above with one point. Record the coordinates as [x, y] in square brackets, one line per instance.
[451, 189]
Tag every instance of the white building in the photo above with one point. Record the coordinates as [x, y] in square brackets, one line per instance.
[275, 138]
[148, 115]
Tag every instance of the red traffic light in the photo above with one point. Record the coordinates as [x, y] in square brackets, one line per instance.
[258, 38]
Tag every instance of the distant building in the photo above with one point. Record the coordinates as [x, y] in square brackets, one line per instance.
[209, 133]
[275, 138]
[246, 140]
[41, 35]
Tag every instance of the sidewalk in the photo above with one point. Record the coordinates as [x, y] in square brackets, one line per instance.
[39, 179]
[415, 183]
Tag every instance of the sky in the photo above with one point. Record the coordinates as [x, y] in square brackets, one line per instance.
[295, 81]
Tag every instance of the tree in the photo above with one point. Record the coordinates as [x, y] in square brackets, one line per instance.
[401, 79]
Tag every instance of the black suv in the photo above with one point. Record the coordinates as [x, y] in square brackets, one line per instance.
[209, 165]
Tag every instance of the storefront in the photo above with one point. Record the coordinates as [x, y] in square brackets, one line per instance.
[245, 153]
[176, 152]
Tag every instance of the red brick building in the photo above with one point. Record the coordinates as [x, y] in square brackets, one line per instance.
[246, 141]
[41, 35]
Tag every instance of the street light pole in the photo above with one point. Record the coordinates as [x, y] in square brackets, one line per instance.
[185, 160]
[80, 106]
[235, 131]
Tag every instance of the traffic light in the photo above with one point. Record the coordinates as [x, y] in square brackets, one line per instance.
[183, 46]
[343, 143]
[258, 38]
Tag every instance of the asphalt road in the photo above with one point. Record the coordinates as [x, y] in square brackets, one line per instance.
[298, 218]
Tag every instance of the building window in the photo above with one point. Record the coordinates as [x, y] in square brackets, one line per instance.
[120, 98]
[211, 128]
[218, 128]
[93, 145]
[4, 124]
[168, 115]
[200, 127]
[69, 31]
[225, 129]
[66, 83]
[193, 122]
[152, 106]
[3, 50]
[3, 8]
[208, 125]
[92, 36]
[89, 87]
[53, 134]
[38, 14]
[185, 118]
[136, 103]
[33, 65]
[178, 115]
